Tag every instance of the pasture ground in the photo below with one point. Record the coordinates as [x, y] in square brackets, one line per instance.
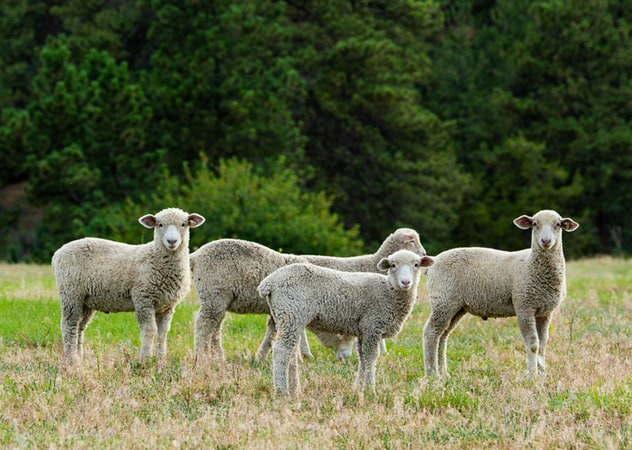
[583, 401]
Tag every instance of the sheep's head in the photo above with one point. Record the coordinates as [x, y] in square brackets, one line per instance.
[547, 226]
[403, 268]
[171, 226]
[402, 239]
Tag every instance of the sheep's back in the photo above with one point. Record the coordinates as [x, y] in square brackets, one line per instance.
[478, 279]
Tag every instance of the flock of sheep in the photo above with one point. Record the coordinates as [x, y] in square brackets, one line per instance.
[365, 298]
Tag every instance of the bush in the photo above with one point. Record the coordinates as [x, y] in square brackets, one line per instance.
[239, 201]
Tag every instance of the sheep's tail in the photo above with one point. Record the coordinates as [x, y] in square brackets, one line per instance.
[265, 290]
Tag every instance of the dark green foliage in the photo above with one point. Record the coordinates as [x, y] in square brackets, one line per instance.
[448, 116]
[386, 158]
[239, 201]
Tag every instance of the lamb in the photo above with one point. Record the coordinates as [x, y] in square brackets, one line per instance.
[95, 274]
[226, 273]
[529, 284]
[369, 306]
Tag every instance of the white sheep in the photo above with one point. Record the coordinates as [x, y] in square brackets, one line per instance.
[370, 306]
[100, 275]
[529, 284]
[226, 273]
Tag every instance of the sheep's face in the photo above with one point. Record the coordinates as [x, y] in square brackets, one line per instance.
[171, 226]
[547, 226]
[404, 268]
[406, 239]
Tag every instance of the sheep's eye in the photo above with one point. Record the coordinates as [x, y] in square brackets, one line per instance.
[416, 264]
[392, 265]
[182, 224]
[160, 225]
[559, 224]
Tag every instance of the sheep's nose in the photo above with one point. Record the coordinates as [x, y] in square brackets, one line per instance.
[546, 242]
[172, 241]
[405, 283]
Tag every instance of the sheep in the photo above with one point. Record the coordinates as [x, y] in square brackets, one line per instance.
[95, 274]
[529, 284]
[226, 273]
[370, 306]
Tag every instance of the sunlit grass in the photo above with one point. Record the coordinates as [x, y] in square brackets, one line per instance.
[584, 400]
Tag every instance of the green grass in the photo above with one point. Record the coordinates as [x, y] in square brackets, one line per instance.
[110, 401]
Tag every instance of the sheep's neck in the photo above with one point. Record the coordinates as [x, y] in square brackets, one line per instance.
[549, 263]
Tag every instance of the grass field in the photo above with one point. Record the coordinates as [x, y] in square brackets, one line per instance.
[584, 400]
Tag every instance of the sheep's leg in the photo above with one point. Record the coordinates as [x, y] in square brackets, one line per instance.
[345, 347]
[443, 344]
[265, 345]
[294, 380]
[306, 352]
[163, 322]
[208, 326]
[370, 352]
[146, 318]
[437, 323]
[283, 349]
[383, 350]
[71, 314]
[542, 326]
[526, 323]
[360, 376]
[86, 317]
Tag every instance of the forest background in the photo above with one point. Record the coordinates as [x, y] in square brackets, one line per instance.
[315, 126]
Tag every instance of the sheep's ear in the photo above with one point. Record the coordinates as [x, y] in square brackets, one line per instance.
[426, 261]
[524, 222]
[569, 224]
[384, 264]
[406, 238]
[148, 220]
[195, 220]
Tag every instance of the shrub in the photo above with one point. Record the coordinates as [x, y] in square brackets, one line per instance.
[241, 201]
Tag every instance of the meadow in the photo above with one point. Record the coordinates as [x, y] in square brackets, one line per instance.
[110, 401]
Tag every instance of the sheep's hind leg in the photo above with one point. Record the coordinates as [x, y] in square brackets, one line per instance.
[542, 326]
[266, 343]
[86, 317]
[71, 314]
[294, 380]
[208, 324]
[163, 322]
[439, 321]
[443, 344]
[283, 349]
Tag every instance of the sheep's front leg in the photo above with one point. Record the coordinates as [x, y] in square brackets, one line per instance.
[146, 317]
[163, 322]
[370, 351]
[360, 375]
[542, 325]
[526, 323]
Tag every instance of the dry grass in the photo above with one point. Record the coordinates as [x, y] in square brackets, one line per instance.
[584, 401]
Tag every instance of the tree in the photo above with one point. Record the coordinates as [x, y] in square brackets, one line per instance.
[387, 160]
[85, 138]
